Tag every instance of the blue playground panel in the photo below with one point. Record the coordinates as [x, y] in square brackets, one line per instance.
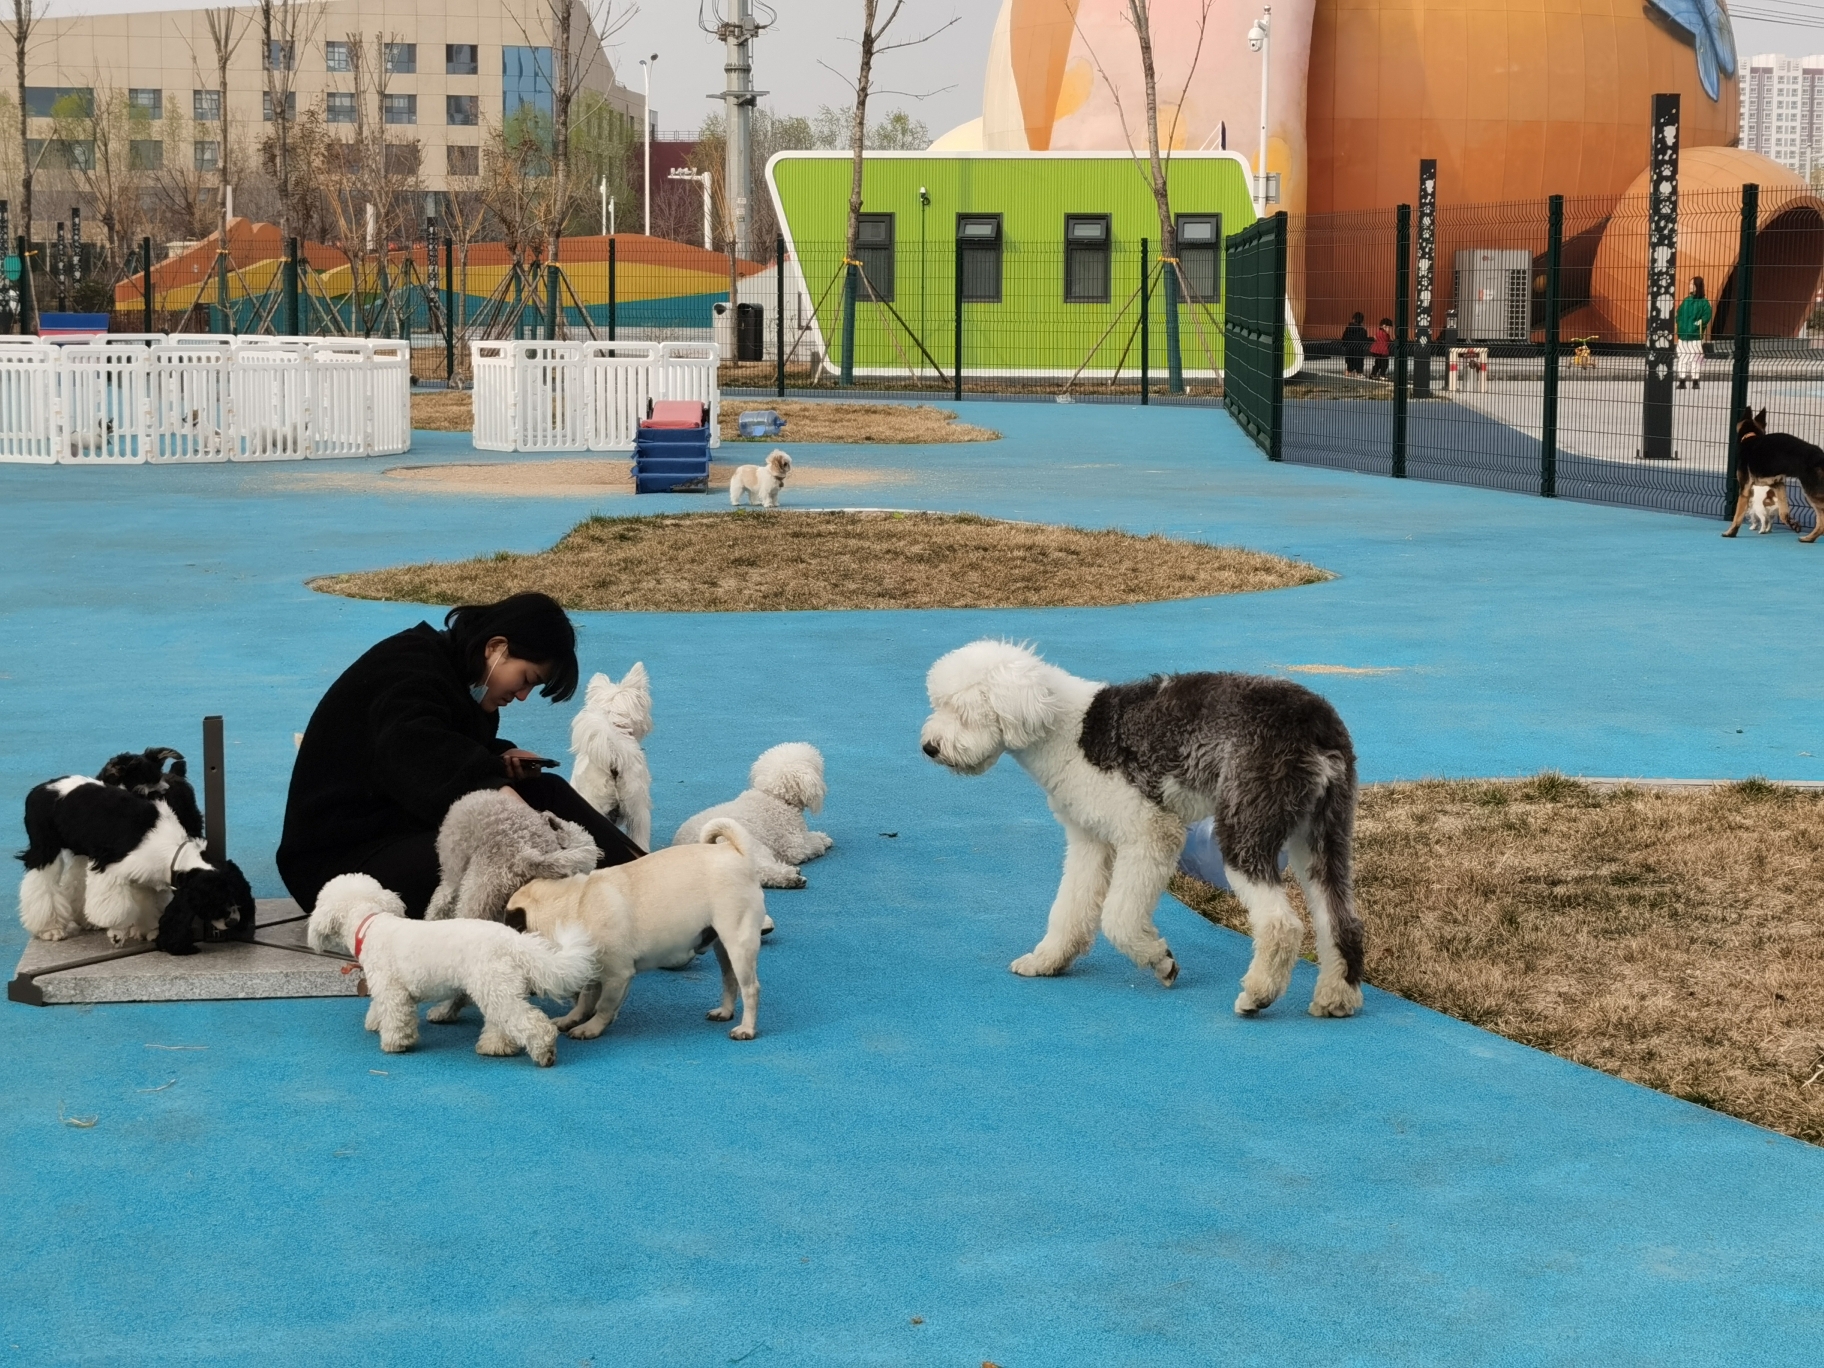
[1083, 1171]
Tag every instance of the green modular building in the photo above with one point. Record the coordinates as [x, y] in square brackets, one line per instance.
[1049, 248]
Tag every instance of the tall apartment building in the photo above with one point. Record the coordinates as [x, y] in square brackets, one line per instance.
[1783, 110]
[438, 73]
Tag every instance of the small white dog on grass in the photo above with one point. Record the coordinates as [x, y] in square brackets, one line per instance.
[760, 483]
[409, 962]
[610, 770]
[783, 784]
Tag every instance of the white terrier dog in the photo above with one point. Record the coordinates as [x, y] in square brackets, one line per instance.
[784, 783]
[610, 770]
[1766, 499]
[408, 962]
[760, 483]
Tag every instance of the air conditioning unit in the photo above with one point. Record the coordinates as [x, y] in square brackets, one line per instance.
[1493, 288]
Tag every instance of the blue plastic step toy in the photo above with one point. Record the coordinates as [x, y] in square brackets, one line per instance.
[671, 452]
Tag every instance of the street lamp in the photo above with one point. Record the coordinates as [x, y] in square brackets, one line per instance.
[685, 173]
[646, 78]
[1260, 40]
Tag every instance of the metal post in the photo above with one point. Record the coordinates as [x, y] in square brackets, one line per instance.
[956, 352]
[612, 285]
[850, 285]
[1548, 410]
[449, 310]
[61, 265]
[1740, 360]
[1276, 434]
[1145, 326]
[28, 296]
[9, 296]
[551, 301]
[145, 247]
[293, 327]
[1402, 299]
[215, 790]
[1174, 361]
[1662, 282]
[779, 316]
[1424, 277]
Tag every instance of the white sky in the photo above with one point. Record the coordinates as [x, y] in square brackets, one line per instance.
[786, 56]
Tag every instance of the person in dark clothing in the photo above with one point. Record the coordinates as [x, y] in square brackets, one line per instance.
[411, 727]
[1355, 345]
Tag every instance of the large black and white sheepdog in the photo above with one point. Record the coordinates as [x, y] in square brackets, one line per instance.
[105, 856]
[1126, 768]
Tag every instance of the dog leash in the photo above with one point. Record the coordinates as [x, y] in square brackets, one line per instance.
[361, 934]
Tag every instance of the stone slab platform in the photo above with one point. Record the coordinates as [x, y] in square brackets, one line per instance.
[275, 964]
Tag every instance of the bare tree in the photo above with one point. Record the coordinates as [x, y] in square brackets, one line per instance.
[177, 188]
[226, 32]
[25, 20]
[107, 173]
[286, 26]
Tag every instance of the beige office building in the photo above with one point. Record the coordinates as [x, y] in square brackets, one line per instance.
[437, 73]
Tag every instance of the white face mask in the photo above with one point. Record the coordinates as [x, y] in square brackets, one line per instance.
[480, 691]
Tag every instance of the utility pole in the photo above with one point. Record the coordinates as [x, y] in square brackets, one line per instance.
[646, 133]
[738, 96]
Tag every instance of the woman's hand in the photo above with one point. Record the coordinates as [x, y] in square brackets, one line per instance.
[520, 764]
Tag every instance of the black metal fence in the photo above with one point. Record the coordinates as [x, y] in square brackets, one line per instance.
[1256, 332]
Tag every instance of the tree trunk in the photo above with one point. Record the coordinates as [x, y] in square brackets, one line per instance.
[858, 141]
[22, 33]
[1139, 10]
[562, 87]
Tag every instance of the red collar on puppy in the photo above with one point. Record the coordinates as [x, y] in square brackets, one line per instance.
[361, 932]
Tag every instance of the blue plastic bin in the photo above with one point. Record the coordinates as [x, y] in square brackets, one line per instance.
[671, 460]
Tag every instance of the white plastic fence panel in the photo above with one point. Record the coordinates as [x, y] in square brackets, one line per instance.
[28, 430]
[617, 384]
[341, 401]
[192, 402]
[491, 364]
[104, 400]
[131, 339]
[687, 370]
[391, 397]
[548, 396]
[271, 387]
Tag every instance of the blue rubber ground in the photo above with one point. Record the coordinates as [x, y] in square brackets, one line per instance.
[1083, 1171]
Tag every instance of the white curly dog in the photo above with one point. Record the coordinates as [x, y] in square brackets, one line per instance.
[610, 770]
[783, 784]
[760, 484]
[490, 843]
[409, 962]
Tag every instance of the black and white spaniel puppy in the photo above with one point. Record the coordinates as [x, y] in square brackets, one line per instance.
[109, 858]
[144, 773]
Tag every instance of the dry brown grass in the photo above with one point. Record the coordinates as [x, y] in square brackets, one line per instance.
[442, 411]
[785, 561]
[1670, 938]
[815, 421]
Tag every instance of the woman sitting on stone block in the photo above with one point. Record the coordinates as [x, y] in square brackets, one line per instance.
[411, 727]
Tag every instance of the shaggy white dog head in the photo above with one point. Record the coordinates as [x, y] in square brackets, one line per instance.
[779, 464]
[342, 905]
[988, 697]
[627, 705]
[792, 773]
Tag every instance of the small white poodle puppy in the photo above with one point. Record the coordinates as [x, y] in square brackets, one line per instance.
[409, 962]
[760, 483]
[783, 784]
[610, 770]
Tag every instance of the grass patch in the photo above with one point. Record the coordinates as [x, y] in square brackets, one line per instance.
[442, 411]
[1669, 938]
[815, 421]
[784, 561]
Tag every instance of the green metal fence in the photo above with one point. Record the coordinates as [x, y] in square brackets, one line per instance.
[1255, 332]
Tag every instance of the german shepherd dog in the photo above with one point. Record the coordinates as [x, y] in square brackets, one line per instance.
[1767, 457]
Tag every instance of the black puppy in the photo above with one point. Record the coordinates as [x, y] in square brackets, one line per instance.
[144, 773]
[1769, 456]
[210, 904]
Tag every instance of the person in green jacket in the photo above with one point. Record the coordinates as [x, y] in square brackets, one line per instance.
[1693, 317]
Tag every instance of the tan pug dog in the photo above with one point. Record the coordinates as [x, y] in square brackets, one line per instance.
[656, 913]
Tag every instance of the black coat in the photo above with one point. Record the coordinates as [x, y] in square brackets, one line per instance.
[395, 741]
[1355, 340]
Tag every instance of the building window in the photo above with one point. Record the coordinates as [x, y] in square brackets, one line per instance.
[399, 109]
[978, 250]
[1086, 269]
[463, 161]
[336, 57]
[402, 159]
[206, 106]
[208, 156]
[527, 80]
[146, 104]
[145, 154]
[1200, 256]
[291, 105]
[60, 154]
[401, 58]
[463, 111]
[339, 107]
[280, 56]
[60, 102]
[874, 249]
[461, 59]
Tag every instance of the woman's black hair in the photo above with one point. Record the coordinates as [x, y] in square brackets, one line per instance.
[1697, 286]
[1355, 318]
[536, 629]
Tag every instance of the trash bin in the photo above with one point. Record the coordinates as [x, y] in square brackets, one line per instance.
[750, 332]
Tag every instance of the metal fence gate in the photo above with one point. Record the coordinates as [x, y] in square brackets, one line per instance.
[1254, 332]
